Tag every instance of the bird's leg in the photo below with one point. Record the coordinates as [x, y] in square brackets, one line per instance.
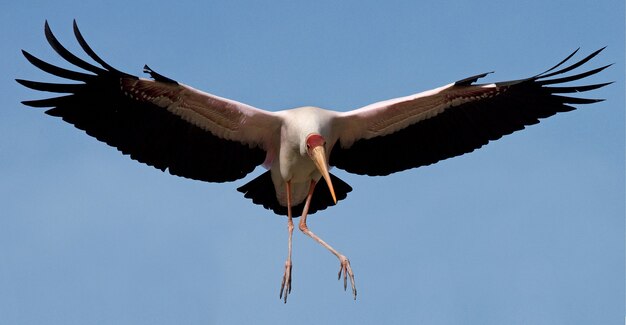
[345, 263]
[285, 286]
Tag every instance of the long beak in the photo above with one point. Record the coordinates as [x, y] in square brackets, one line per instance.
[318, 154]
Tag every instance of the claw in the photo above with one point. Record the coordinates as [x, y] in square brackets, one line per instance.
[285, 286]
[345, 268]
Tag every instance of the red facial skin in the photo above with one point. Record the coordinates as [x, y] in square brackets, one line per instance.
[314, 140]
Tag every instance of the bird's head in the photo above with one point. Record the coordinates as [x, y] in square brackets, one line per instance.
[315, 147]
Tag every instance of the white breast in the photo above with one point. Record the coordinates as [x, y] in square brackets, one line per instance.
[293, 163]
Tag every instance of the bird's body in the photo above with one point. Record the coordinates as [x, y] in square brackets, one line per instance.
[292, 162]
[197, 135]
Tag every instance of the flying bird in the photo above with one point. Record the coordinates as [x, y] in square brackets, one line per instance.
[197, 135]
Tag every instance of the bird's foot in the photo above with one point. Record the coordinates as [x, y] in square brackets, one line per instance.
[347, 271]
[285, 286]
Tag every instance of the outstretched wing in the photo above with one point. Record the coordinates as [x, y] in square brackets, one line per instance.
[158, 122]
[421, 129]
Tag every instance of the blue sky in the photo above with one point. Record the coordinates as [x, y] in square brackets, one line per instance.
[527, 230]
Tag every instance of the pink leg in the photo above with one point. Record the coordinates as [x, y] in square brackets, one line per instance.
[344, 262]
[285, 286]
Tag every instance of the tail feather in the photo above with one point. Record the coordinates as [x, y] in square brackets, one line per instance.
[261, 191]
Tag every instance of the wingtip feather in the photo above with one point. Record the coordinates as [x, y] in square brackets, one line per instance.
[558, 64]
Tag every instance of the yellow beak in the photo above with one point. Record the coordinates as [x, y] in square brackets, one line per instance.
[318, 154]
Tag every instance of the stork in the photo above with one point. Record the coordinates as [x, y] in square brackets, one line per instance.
[193, 134]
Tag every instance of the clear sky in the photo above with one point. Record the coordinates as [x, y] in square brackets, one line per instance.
[527, 230]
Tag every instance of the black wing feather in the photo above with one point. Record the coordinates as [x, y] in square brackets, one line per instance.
[67, 55]
[52, 87]
[57, 71]
[83, 44]
[571, 67]
[560, 63]
[146, 132]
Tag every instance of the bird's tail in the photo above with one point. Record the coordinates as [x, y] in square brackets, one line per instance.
[261, 191]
